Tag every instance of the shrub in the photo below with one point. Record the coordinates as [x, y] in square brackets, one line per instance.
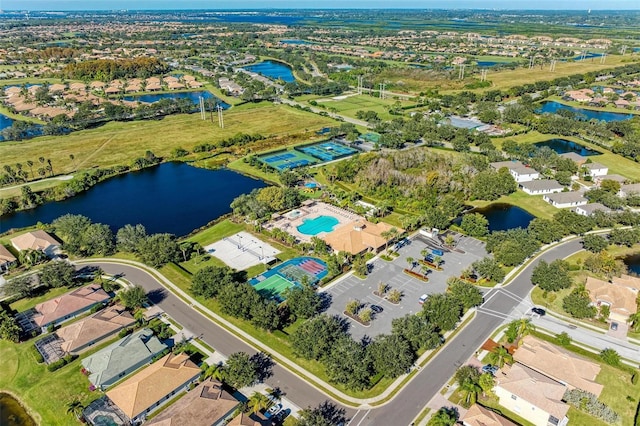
[56, 365]
[588, 402]
[634, 378]
[610, 356]
[36, 354]
[124, 332]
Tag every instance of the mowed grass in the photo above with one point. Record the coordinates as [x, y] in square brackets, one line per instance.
[352, 104]
[617, 164]
[44, 393]
[119, 143]
[534, 204]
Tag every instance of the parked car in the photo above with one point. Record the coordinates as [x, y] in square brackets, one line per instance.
[423, 298]
[273, 410]
[489, 368]
[437, 252]
[614, 326]
[376, 309]
[539, 311]
[279, 418]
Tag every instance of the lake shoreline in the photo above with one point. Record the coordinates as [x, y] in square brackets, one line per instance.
[32, 414]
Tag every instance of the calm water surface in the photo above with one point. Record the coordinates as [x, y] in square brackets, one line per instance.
[12, 413]
[562, 146]
[274, 70]
[192, 96]
[502, 217]
[553, 107]
[633, 263]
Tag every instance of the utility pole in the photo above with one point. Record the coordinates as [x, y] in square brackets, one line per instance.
[382, 89]
[531, 61]
[203, 114]
[360, 81]
[603, 58]
[483, 74]
[623, 49]
[552, 68]
[220, 117]
[461, 72]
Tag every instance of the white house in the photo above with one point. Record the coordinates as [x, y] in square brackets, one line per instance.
[591, 208]
[595, 169]
[616, 178]
[519, 171]
[541, 186]
[626, 190]
[563, 200]
[531, 395]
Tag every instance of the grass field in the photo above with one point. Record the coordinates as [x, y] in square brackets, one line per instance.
[534, 204]
[352, 104]
[119, 143]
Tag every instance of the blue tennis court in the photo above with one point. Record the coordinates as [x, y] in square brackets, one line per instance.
[328, 151]
[283, 160]
[293, 272]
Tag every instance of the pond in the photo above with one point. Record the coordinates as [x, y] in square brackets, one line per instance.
[633, 262]
[172, 197]
[12, 413]
[563, 146]
[295, 42]
[502, 216]
[553, 107]
[489, 64]
[192, 96]
[274, 70]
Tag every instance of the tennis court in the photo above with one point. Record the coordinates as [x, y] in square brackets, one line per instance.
[293, 272]
[287, 159]
[273, 287]
[327, 151]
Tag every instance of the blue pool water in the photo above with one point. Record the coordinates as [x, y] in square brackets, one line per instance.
[311, 185]
[553, 107]
[318, 225]
[273, 70]
[193, 96]
[562, 146]
[633, 263]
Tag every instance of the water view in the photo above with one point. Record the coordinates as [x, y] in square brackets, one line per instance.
[502, 216]
[12, 413]
[295, 41]
[633, 263]
[563, 146]
[274, 70]
[5, 122]
[172, 197]
[489, 64]
[193, 96]
[553, 107]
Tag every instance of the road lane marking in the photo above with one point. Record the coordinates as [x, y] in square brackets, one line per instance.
[364, 417]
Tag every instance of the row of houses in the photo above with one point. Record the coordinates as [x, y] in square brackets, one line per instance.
[628, 100]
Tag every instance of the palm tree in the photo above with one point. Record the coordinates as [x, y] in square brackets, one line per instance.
[634, 320]
[470, 390]
[446, 416]
[75, 407]
[525, 327]
[499, 355]
[30, 165]
[258, 402]
[411, 263]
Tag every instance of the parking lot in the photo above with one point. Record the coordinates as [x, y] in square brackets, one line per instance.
[468, 250]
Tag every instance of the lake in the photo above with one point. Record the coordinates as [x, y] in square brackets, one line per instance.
[295, 42]
[562, 146]
[5, 122]
[273, 70]
[503, 216]
[553, 107]
[489, 64]
[172, 197]
[12, 413]
[632, 262]
[193, 96]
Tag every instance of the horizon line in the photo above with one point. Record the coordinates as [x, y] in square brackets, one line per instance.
[253, 9]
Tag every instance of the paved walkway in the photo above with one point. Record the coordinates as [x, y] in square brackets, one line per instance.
[62, 177]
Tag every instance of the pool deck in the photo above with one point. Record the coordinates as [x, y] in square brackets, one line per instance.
[289, 222]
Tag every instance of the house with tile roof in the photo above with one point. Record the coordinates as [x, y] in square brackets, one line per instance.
[619, 294]
[6, 259]
[591, 208]
[208, 404]
[249, 419]
[81, 335]
[37, 240]
[563, 366]
[123, 357]
[595, 169]
[563, 200]
[541, 186]
[519, 171]
[477, 415]
[155, 385]
[359, 237]
[69, 305]
[532, 395]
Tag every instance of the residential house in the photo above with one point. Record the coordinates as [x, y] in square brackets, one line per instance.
[626, 190]
[123, 357]
[576, 158]
[208, 404]
[37, 240]
[616, 178]
[359, 237]
[562, 366]
[519, 171]
[619, 294]
[595, 169]
[532, 395]
[69, 305]
[7, 260]
[541, 186]
[150, 388]
[80, 335]
[249, 419]
[591, 208]
[477, 415]
[563, 200]
[582, 95]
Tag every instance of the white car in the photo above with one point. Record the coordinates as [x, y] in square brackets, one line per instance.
[274, 409]
[423, 298]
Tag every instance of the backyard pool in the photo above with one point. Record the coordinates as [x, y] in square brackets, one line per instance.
[318, 225]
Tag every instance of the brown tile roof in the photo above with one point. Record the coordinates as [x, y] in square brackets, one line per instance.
[559, 364]
[618, 294]
[144, 389]
[480, 416]
[5, 255]
[94, 327]
[97, 84]
[358, 237]
[34, 240]
[205, 405]
[68, 303]
[175, 85]
[533, 387]
[245, 419]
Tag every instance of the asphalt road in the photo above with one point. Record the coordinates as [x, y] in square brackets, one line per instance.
[408, 403]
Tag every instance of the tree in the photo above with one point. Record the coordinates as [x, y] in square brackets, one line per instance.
[489, 268]
[75, 407]
[546, 231]
[18, 287]
[360, 266]
[391, 355]
[315, 337]
[303, 301]
[266, 315]
[442, 310]
[467, 294]
[352, 306]
[129, 237]
[159, 249]
[486, 381]
[394, 296]
[71, 228]
[419, 333]
[604, 263]
[470, 391]
[208, 281]
[58, 274]
[240, 370]
[610, 356]
[552, 276]
[257, 402]
[578, 305]
[348, 363]
[475, 225]
[133, 298]
[98, 239]
[445, 416]
[594, 243]
[499, 355]
[326, 414]
[9, 328]
[238, 300]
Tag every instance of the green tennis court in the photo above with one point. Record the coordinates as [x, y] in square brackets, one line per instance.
[273, 286]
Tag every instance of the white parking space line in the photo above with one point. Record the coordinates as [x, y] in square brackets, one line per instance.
[364, 417]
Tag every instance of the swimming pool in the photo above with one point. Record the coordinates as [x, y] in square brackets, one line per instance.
[318, 225]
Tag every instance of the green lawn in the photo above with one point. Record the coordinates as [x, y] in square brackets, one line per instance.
[352, 104]
[534, 204]
[45, 394]
[216, 232]
[29, 302]
[617, 386]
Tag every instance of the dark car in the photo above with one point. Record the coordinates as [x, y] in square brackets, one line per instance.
[279, 418]
[377, 309]
[614, 326]
[493, 369]
[539, 311]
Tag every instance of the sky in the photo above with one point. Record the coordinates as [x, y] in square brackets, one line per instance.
[326, 4]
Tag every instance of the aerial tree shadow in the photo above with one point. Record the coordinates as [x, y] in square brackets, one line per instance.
[325, 301]
[156, 296]
[264, 365]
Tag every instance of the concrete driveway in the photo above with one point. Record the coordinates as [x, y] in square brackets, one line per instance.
[391, 273]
